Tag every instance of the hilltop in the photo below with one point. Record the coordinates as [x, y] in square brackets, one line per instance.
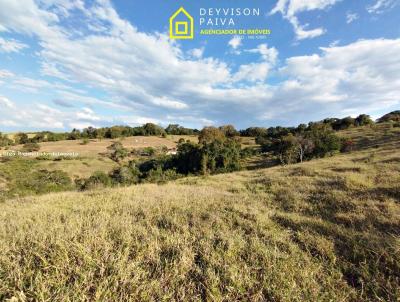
[322, 230]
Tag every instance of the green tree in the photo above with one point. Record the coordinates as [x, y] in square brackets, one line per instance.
[229, 131]
[21, 138]
[211, 134]
[153, 129]
[5, 141]
[363, 120]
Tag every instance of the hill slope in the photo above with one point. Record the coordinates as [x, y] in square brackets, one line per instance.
[325, 230]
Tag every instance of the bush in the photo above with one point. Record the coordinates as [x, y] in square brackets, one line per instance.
[99, 179]
[159, 175]
[85, 141]
[249, 151]
[44, 181]
[5, 141]
[31, 147]
[127, 175]
[118, 152]
[21, 138]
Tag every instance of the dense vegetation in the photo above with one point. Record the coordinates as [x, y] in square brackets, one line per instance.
[324, 230]
[151, 129]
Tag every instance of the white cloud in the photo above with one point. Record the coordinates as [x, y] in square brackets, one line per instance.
[87, 114]
[256, 72]
[6, 102]
[290, 8]
[11, 45]
[381, 6]
[42, 116]
[196, 53]
[150, 77]
[362, 76]
[268, 54]
[235, 42]
[5, 74]
[350, 17]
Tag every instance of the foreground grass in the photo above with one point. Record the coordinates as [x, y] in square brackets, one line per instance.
[326, 230]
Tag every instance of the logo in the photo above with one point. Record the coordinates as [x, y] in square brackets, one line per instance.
[181, 25]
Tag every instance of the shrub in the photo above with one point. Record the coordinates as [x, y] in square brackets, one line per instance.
[210, 134]
[125, 175]
[249, 151]
[44, 181]
[159, 175]
[5, 141]
[31, 147]
[98, 179]
[118, 152]
[21, 138]
[85, 141]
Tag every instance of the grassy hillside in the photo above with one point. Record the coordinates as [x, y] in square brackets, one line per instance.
[325, 230]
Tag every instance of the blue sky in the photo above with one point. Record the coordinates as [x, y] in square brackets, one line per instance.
[71, 64]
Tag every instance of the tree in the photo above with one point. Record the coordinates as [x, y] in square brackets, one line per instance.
[286, 148]
[210, 134]
[38, 138]
[5, 141]
[229, 131]
[21, 138]
[324, 139]
[305, 146]
[89, 132]
[344, 123]
[363, 120]
[113, 132]
[118, 152]
[153, 129]
[254, 132]
[74, 135]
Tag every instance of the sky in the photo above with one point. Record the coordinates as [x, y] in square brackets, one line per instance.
[72, 63]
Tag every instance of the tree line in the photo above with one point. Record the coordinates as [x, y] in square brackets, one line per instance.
[151, 129]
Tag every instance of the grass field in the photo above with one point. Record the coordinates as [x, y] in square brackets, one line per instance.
[96, 147]
[92, 157]
[324, 230]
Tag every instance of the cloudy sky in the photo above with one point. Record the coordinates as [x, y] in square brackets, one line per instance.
[73, 63]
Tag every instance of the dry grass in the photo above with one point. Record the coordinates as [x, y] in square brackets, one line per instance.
[96, 146]
[326, 230]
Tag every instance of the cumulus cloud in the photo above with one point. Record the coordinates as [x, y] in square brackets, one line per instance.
[196, 53]
[258, 72]
[360, 76]
[290, 8]
[150, 77]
